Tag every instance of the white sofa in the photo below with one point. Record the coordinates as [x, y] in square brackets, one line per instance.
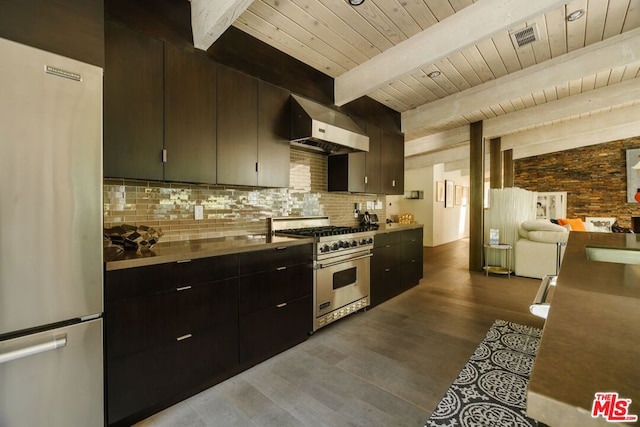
[536, 251]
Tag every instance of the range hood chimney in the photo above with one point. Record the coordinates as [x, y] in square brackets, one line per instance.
[316, 127]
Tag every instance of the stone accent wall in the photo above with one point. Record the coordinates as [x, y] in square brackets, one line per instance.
[230, 211]
[594, 178]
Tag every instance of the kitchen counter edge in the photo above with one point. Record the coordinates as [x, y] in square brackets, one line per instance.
[204, 248]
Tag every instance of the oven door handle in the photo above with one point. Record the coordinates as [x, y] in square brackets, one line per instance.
[331, 264]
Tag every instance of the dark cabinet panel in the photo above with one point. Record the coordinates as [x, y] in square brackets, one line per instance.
[274, 122]
[133, 104]
[392, 163]
[268, 332]
[237, 122]
[396, 264]
[189, 117]
[373, 167]
[270, 259]
[144, 382]
[71, 28]
[380, 170]
[275, 301]
[132, 282]
[275, 287]
[347, 172]
[170, 330]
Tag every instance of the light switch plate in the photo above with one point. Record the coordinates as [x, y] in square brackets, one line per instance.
[198, 212]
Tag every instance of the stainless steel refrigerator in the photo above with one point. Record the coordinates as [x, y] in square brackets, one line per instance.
[51, 371]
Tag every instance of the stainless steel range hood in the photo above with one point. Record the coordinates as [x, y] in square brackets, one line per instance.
[316, 127]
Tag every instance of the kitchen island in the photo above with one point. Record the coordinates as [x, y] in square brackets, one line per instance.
[591, 339]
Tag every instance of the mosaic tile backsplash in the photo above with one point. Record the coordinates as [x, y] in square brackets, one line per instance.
[230, 211]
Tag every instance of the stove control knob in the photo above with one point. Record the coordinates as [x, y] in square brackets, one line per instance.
[354, 244]
[335, 246]
[325, 248]
[370, 240]
[363, 241]
[344, 244]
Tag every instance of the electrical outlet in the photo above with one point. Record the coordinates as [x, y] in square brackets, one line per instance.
[198, 212]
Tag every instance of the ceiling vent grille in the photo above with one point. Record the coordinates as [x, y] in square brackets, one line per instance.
[525, 36]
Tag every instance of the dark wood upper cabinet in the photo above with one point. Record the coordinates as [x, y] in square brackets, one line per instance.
[237, 115]
[373, 160]
[347, 172]
[133, 104]
[378, 171]
[71, 28]
[189, 117]
[274, 118]
[392, 163]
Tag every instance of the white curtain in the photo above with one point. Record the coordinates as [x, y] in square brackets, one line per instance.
[508, 208]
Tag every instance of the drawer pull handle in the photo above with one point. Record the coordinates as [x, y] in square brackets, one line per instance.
[281, 268]
[387, 246]
[281, 248]
[184, 337]
[182, 261]
[184, 288]
[281, 305]
[386, 270]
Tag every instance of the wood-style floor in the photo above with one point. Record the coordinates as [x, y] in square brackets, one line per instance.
[388, 366]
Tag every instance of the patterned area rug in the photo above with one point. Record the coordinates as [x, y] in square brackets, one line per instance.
[491, 389]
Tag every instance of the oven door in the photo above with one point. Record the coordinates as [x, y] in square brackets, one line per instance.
[341, 280]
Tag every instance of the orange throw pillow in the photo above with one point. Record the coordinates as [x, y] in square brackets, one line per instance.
[576, 224]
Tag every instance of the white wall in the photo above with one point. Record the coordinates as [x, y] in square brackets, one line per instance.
[441, 225]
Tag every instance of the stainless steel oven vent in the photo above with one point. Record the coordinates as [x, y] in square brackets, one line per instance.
[317, 127]
[525, 36]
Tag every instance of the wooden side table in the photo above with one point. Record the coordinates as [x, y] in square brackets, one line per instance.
[497, 269]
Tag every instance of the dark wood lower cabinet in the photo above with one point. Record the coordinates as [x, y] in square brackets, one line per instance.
[172, 330]
[163, 345]
[268, 332]
[396, 264]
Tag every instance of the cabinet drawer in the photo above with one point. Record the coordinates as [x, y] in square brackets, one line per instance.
[141, 381]
[414, 235]
[271, 331]
[271, 288]
[384, 239]
[142, 322]
[132, 282]
[412, 251]
[270, 259]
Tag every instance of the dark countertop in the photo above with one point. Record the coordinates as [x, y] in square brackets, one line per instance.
[193, 249]
[202, 248]
[386, 228]
[591, 339]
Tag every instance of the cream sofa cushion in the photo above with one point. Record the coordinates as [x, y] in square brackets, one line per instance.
[543, 226]
[548, 236]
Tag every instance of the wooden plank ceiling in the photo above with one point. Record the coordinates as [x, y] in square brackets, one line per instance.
[483, 78]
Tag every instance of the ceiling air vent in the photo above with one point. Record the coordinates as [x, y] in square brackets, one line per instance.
[525, 36]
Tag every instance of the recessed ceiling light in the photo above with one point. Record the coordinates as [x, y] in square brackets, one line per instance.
[355, 2]
[434, 74]
[577, 14]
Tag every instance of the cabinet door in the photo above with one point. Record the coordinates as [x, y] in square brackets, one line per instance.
[268, 332]
[274, 122]
[373, 160]
[237, 115]
[133, 104]
[273, 288]
[189, 117]
[346, 172]
[392, 163]
[384, 273]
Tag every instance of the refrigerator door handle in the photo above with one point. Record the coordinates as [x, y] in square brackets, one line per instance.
[57, 341]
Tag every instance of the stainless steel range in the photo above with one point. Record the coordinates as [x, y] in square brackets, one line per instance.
[341, 265]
